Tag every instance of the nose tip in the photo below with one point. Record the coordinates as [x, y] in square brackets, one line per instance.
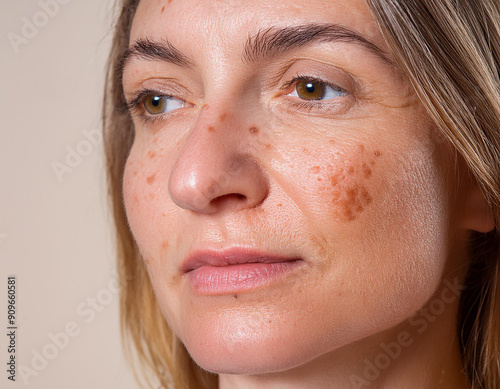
[230, 185]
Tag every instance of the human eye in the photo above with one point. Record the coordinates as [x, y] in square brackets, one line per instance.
[152, 105]
[313, 89]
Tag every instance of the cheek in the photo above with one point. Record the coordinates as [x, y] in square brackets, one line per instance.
[144, 197]
[337, 186]
[347, 185]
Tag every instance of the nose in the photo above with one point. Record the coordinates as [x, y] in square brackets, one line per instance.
[214, 172]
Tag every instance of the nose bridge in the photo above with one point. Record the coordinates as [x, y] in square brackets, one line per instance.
[214, 170]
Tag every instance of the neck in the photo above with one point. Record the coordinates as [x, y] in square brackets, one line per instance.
[422, 352]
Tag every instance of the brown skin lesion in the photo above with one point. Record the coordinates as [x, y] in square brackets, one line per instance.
[349, 190]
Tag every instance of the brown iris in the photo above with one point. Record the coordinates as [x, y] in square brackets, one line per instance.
[308, 90]
[155, 104]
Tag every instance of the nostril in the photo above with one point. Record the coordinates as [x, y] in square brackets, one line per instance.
[230, 198]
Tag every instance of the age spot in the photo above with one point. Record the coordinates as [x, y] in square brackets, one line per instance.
[151, 179]
[349, 193]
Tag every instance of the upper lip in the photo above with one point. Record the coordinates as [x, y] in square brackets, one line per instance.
[230, 256]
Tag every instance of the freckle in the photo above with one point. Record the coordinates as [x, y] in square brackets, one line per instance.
[136, 199]
[222, 117]
[151, 179]
[268, 146]
[147, 260]
[351, 194]
[155, 139]
[349, 215]
[362, 148]
[372, 163]
[320, 179]
[164, 245]
[377, 153]
[365, 197]
[280, 205]
[254, 130]
[162, 9]
[316, 169]
[211, 129]
[236, 296]
[332, 141]
[336, 195]
[152, 154]
[351, 170]
[367, 170]
[335, 179]
[135, 173]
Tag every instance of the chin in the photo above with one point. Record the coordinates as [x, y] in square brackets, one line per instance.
[259, 355]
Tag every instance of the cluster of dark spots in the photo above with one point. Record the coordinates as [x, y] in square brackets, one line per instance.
[349, 192]
[151, 179]
[357, 199]
[254, 130]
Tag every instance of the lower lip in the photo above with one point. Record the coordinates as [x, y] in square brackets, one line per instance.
[212, 280]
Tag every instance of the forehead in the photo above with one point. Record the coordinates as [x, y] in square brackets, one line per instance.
[216, 24]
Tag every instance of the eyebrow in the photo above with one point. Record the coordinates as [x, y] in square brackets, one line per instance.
[263, 44]
[274, 41]
[147, 49]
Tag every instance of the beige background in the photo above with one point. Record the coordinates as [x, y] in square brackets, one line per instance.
[55, 234]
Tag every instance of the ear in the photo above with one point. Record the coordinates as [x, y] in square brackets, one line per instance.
[477, 214]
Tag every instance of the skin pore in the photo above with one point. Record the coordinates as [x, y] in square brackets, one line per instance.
[287, 128]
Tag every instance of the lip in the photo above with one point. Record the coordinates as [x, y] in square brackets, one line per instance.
[235, 269]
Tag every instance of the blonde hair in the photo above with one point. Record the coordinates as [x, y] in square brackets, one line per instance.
[450, 51]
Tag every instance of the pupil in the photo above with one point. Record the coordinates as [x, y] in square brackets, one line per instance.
[310, 87]
[156, 101]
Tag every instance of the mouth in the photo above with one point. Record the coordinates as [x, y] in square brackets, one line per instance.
[235, 270]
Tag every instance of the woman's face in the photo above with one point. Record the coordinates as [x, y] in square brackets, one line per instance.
[289, 135]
